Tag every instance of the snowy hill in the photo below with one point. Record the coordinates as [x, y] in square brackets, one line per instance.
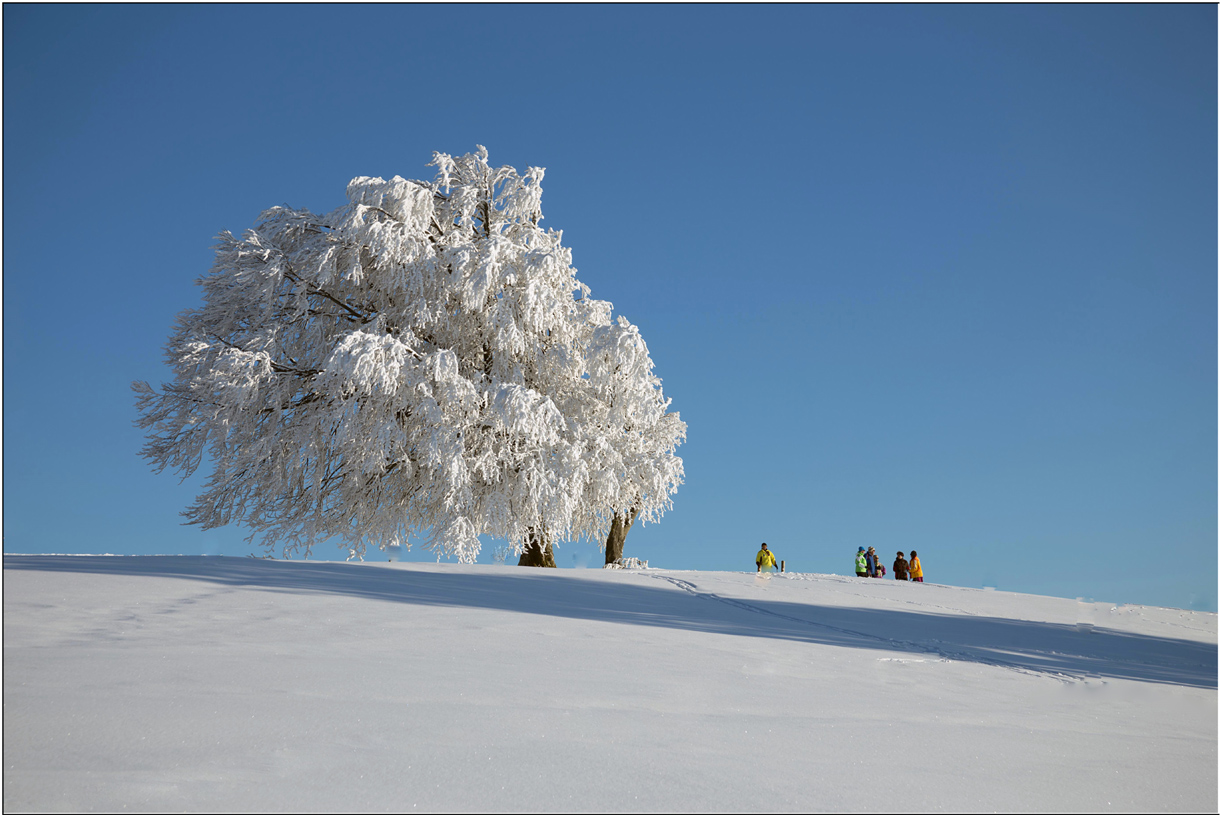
[178, 683]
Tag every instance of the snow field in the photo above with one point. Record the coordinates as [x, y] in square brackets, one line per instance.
[184, 684]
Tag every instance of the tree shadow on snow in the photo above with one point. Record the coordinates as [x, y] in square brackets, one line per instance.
[1023, 645]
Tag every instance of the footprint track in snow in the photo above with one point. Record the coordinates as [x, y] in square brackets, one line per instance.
[889, 642]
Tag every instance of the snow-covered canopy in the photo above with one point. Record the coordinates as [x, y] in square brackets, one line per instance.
[421, 361]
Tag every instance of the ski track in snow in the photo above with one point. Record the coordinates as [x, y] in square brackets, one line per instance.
[944, 654]
[849, 581]
[1122, 609]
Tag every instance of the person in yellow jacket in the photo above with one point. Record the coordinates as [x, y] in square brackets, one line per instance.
[764, 559]
[916, 567]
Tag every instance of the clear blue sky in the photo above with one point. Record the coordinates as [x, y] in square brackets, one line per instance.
[930, 277]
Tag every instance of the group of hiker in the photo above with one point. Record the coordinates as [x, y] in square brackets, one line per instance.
[868, 564]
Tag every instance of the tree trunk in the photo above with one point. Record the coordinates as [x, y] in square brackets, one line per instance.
[537, 552]
[619, 528]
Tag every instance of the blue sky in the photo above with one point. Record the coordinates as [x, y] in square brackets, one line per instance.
[930, 277]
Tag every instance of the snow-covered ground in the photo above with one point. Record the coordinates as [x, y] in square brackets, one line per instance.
[179, 683]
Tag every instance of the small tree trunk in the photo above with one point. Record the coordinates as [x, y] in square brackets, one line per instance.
[537, 552]
[619, 528]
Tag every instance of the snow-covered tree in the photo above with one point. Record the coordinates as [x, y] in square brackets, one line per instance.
[421, 362]
[638, 433]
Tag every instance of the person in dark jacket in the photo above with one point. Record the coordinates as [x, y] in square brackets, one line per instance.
[900, 568]
[870, 560]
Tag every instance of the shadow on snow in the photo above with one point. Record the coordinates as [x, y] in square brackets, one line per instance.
[1045, 648]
